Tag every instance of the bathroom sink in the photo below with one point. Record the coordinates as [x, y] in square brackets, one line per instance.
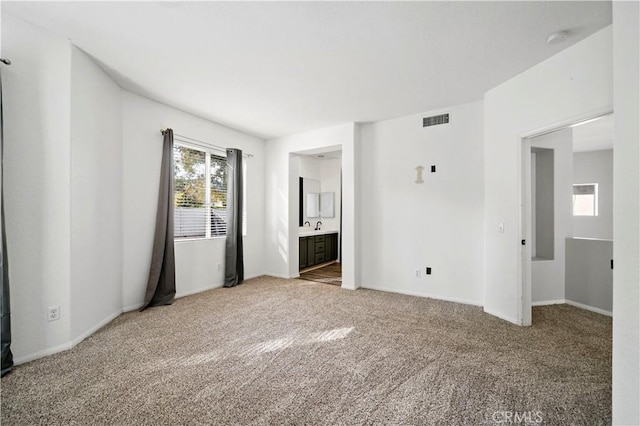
[311, 231]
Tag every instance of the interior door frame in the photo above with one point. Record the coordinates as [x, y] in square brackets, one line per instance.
[524, 175]
[524, 290]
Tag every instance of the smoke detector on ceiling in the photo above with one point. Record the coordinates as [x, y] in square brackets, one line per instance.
[557, 37]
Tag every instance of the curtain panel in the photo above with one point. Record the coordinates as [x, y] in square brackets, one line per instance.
[234, 254]
[161, 287]
[7, 356]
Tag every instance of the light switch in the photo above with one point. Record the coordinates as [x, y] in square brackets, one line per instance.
[501, 228]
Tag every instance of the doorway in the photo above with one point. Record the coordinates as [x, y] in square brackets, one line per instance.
[319, 212]
[567, 217]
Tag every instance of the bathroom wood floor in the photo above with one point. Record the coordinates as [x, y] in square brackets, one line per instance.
[328, 274]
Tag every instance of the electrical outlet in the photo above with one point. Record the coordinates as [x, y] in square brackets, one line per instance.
[219, 267]
[418, 273]
[53, 313]
[428, 270]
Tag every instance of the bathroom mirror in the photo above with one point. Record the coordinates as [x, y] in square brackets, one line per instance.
[308, 186]
[327, 204]
[313, 205]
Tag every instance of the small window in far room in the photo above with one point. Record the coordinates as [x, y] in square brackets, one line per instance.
[585, 199]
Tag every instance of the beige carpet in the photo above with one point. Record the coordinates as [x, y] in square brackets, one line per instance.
[275, 351]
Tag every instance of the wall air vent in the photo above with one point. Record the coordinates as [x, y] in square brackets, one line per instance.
[435, 120]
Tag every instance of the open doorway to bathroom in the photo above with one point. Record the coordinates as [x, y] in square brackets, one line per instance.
[320, 216]
[567, 216]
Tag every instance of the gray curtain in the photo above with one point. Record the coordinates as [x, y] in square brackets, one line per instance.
[161, 287]
[234, 258]
[7, 356]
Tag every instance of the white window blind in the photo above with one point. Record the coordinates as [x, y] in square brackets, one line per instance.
[218, 194]
[200, 193]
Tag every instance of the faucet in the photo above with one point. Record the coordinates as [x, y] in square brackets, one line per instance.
[318, 225]
[307, 223]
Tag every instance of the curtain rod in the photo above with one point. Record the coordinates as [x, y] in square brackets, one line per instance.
[205, 144]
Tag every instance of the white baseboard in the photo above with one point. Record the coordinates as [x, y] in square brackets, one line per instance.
[512, 320]
[198, 290]
[572, 303]
[589, 308]
[419, 294]
[285, 277]
[95, 328]
[133, 307]
[43, 353]
[549, 302]
[190, 292]
[250, 277]
[66, 346]
[345, 287]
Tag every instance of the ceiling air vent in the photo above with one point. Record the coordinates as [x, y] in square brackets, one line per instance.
[435, 120]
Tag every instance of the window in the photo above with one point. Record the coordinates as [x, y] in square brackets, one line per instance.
[585, 199]
[200, 193]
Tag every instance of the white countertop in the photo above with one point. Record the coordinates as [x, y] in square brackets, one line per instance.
[307, 233]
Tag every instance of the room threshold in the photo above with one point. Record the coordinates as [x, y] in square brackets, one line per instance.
[326, 273]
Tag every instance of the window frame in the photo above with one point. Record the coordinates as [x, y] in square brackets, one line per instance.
[595, 200]
[209, 151]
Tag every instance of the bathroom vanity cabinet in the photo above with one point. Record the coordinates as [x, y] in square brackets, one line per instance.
[317, 249]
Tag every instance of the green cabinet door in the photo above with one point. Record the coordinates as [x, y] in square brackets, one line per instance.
[311, 251]
[332, 247]
[317, 249]
[302, 253]
[328, 243]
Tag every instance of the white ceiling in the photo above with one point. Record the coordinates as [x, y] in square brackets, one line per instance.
[595, 135]
[278, 68]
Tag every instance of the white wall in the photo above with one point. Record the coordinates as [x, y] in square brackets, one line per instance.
[330, 170]
[548, 276]
[96, 195]
[281, 198]
[37, 183]
[589, 278]
[80, 206]
[196, 261]
[574, 84]
[626, 227]
[407, 226]
[310, 168]
[350, 238]
[595, 167]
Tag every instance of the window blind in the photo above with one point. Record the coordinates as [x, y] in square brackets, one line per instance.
[200, 193]
[588, 189]
[218, 195]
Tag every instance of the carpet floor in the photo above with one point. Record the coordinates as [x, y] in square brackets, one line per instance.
[274, 351]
